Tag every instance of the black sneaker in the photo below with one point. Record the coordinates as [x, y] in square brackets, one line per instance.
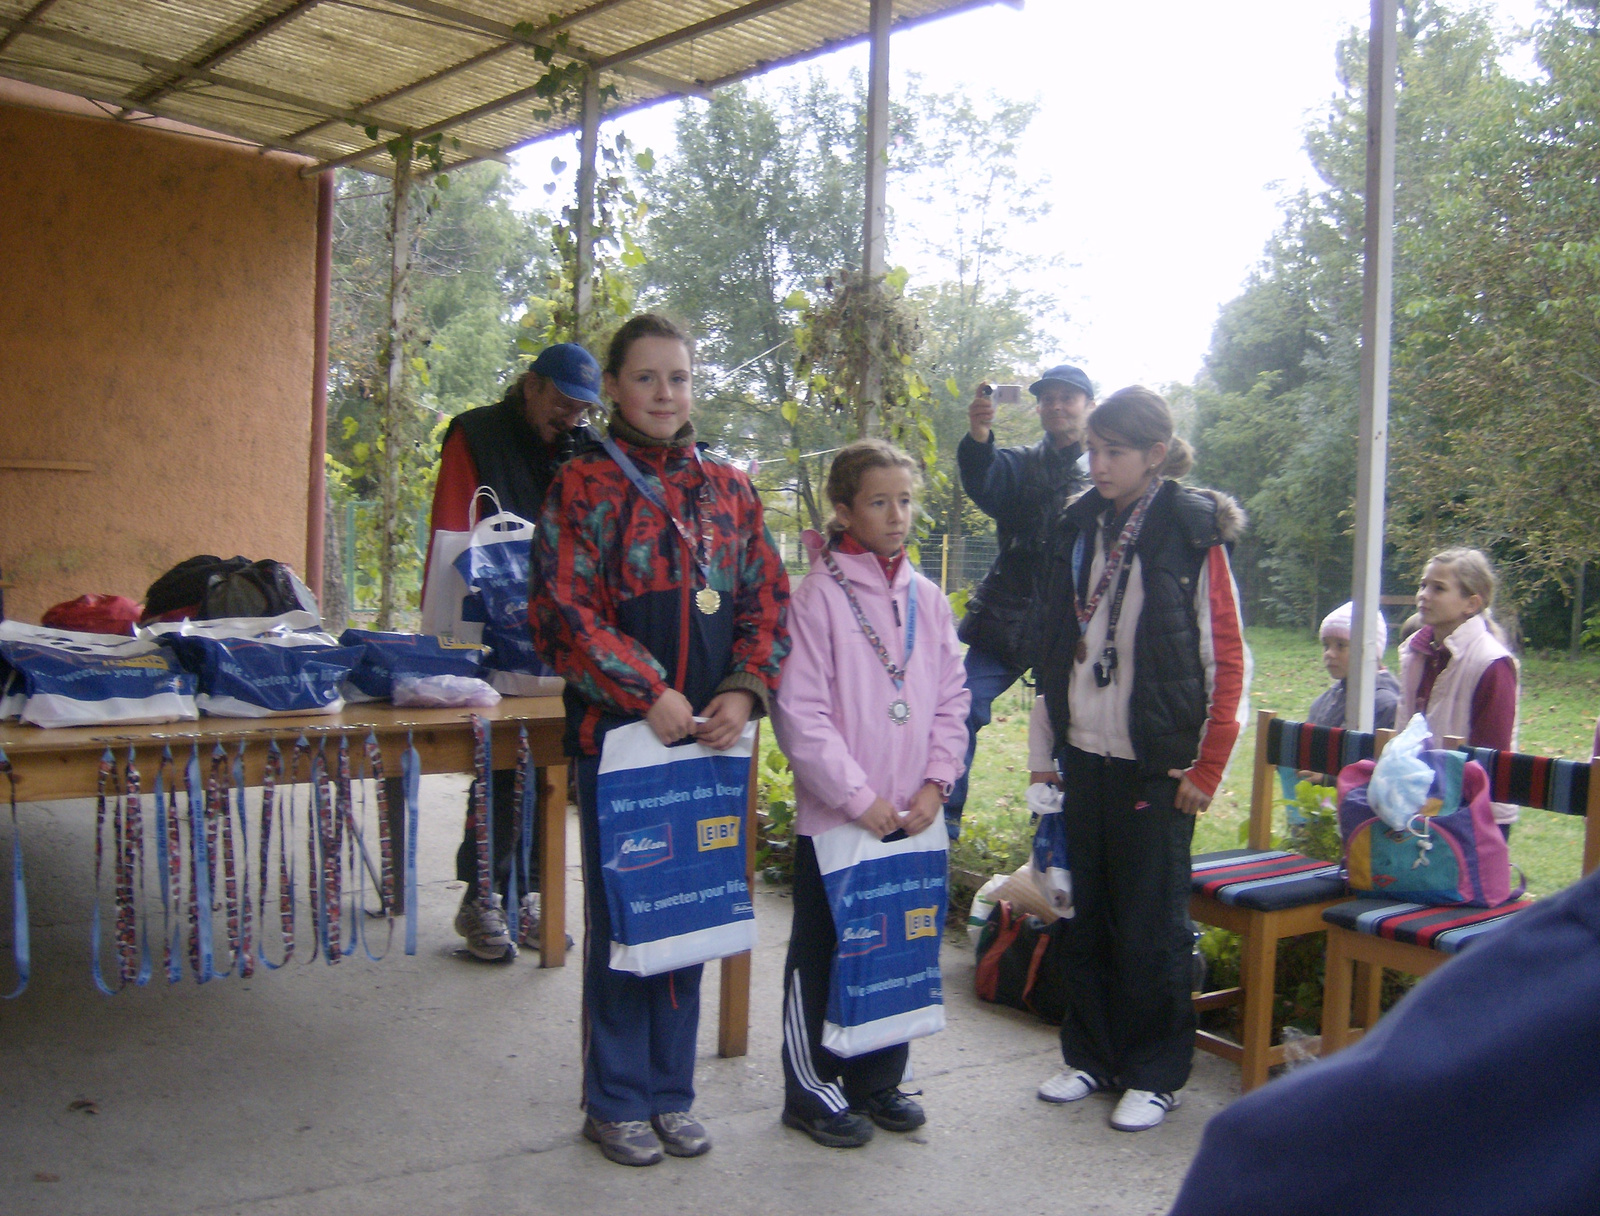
[893, 1111]
[846, 1129]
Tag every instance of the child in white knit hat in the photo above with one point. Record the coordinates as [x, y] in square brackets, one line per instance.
[1329, 708]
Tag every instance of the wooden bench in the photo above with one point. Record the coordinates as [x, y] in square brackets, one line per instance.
[1266, 894]
[1367, 935]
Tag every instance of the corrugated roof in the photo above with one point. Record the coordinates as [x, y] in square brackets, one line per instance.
[312, 76]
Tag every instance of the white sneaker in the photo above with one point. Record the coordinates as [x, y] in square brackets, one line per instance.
[1140, 1109]
[1069, 1085]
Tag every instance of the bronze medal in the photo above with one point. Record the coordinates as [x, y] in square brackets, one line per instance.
[708, 600]
[1083, 650]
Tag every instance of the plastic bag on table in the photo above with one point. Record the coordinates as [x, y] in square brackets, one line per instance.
[444, 692]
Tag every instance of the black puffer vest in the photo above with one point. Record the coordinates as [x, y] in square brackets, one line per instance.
[509, 455]
[996, 620]
[1168, 704]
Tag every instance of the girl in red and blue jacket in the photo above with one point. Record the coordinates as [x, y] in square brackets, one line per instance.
[1143, 668]
[659, 595]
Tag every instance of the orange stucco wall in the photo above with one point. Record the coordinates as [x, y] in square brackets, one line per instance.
[156, 297]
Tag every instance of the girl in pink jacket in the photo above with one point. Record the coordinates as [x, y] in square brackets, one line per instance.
[871, 712]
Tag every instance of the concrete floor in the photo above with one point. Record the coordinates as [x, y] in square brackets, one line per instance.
[436, 1084]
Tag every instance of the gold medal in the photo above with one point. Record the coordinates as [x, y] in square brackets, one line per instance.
[708, 600]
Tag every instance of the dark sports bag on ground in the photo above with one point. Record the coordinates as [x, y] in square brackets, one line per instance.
[1020, 963]
[207, 588]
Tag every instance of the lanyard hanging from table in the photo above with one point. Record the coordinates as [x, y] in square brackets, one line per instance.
[899, 710]
[20, 952]
[708, 599]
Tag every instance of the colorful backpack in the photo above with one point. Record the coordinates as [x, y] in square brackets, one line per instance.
[1450, 852]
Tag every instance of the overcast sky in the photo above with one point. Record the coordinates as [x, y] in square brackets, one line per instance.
[1169, 130]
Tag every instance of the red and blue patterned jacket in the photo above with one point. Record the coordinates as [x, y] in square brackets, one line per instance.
[612, 597]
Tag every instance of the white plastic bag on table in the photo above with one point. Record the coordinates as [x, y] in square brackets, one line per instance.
[494, 566]
[444, 692]
[92, 679]
[261, 667]
[446, 612]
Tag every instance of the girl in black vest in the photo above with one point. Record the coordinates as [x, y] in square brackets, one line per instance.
[1143, 670]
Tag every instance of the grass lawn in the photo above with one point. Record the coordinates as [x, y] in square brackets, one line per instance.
[1560, 700]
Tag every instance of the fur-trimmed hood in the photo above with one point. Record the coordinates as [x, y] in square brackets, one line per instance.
[1207, 517]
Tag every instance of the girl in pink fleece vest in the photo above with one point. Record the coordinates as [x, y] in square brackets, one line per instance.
[1456, 669]
[871, 712]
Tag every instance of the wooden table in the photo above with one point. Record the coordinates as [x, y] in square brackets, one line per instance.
[65, 763]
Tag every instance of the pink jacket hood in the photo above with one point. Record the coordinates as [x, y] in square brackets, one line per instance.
[831, 714]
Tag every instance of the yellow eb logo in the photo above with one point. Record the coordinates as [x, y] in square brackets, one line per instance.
[720, 833]
[920, 923]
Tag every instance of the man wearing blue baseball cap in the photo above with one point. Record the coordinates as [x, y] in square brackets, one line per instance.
[1023, 490]
[514, 447]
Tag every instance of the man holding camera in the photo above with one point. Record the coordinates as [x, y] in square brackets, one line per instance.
[1022, 489]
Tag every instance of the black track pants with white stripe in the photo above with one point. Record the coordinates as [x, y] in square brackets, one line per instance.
[816, 1082]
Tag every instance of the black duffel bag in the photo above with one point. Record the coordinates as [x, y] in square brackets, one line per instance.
[207, 587]
[1021, 963]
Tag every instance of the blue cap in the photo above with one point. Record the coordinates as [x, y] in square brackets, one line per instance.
[1064, 373]
[571, 369]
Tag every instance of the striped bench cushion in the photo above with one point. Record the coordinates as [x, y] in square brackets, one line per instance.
[1448, 929]
[1267, 880]
[1321, 749]
[1537, 781]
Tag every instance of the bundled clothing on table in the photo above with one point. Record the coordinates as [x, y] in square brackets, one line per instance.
[613, 611]
[1175, 700]
[832, 718]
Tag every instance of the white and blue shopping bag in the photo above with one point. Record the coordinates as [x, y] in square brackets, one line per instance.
[888, 900]
[59, 677]
[672, 848]
[495, 567]
[1051, 871]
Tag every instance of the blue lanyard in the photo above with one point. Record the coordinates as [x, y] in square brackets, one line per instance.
[200, 876]
[700, 553]
[410, 779]
[19, 892]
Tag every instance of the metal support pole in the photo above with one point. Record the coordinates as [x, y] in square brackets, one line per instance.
[317, 482]
[1376, 312]
[588, 152]
[873, 241]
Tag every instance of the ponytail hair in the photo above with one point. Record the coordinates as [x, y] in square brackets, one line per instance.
[1474, 574]
[852, 463]
[1141, 418]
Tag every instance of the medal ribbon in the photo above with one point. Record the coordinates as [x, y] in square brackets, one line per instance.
[482, 793]
[240, 931]
[411, 781]
[897, 674]
[699, 553]
[385, 844]
[200, 957]
[271, 809]
[344, 811]
[523, 798]
[20, 952]
[169, 865]
[1114, 559]
[106, 782]
[133, 921]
